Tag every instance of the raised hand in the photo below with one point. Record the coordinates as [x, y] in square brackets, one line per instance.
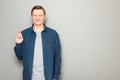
[19, 37]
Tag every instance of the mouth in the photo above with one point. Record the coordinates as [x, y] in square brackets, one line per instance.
[37, 19]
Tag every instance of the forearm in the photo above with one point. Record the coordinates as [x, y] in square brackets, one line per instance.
[57, 62]
[57, 67]
[18, 49]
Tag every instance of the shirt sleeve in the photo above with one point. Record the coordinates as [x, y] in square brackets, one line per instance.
[18, 49]
[57, 57]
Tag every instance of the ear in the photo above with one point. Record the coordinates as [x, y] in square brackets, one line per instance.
[45, 17]
[31, 16]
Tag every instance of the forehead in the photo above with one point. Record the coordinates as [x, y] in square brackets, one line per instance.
[38, 11]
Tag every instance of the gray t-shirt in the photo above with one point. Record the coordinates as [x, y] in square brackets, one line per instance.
[38, 67]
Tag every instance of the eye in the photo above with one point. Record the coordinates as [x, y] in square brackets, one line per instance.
[40, 15]
[34, 15]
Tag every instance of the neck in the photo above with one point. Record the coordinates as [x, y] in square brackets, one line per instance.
[38, 28]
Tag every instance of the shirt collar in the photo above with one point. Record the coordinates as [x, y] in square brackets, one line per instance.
[45, 28]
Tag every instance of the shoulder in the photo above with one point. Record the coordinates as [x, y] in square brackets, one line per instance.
[27, 30]
[51, 30]
[52, 33]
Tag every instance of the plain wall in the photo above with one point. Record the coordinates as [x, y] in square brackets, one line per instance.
[89, 31]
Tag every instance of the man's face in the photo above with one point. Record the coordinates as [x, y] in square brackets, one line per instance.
[38, 17]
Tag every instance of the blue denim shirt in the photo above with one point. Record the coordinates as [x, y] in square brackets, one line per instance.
[51, 52]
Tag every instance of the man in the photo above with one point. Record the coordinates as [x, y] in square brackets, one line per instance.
[39, 48]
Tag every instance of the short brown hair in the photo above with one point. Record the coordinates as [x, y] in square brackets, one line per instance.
[38, 7]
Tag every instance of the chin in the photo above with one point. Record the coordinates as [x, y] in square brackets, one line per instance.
[37, 24]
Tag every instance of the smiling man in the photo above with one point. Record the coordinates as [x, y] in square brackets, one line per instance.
[40, 49]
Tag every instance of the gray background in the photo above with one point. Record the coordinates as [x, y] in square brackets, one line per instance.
[89, 31]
